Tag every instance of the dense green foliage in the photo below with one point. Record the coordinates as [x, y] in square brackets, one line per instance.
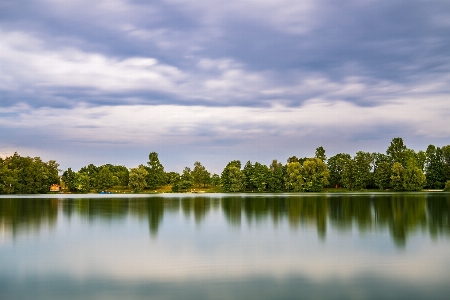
[382, 170]
[294, 178]
[138, 178]
[400, 169]
[26, 175]
[276, 176]
[97, 178]
[447, 186]
[336, 166]
[357, 171]
[232, 177]
[233, 181]
[156, 176]
[435, 167]
[315, 174]
[200, 176]
[69, 177]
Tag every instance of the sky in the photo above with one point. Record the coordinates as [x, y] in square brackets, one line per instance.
[110, 81]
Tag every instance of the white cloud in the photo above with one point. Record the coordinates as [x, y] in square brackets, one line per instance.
[30, 66]
[323, 88]
[37, 67]
[176, 124]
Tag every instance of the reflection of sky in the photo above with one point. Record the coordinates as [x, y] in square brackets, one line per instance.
[123, 249]
[205, 252]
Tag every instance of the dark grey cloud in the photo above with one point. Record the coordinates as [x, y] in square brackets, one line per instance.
[288, 75]
[402, 42]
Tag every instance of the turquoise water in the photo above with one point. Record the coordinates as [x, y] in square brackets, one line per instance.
[222, 246]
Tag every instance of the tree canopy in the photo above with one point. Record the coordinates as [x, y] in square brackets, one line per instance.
[400, 168]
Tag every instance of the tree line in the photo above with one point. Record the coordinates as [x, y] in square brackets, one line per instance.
[400, 169]
[27, 175]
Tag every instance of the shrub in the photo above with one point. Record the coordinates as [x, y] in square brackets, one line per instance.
[447, 186]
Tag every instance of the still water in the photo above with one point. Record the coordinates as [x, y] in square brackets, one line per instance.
[222, 246]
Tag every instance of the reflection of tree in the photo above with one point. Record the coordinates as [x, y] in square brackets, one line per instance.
[155, 208]
[101, 209]
[67, 207]
[25, 215]
[277, 207]
[308, 210]
[199, 206]
[232, 210]
[347, 210]
[439, 215]
[402, 214]
[255, 209]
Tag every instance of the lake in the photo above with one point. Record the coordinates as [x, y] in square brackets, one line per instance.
[225, 246]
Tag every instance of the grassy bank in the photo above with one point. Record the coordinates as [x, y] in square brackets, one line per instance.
[218, 189]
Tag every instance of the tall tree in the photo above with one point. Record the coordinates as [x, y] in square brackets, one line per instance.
[69, 179]
[421, 158]
[320, 153]
[52, 173]
[435, 167]
[186, 179]
[121, 173]
[215, 180]
[276, 178]
[357, 171]
[315, 174]
[83, 182]
[413, 177]
[231, 174]
[175, 180]
[8, 178]
[156, 174]
[249, 172]
[410, 178]
[138, 178]
[91, 171]
[236, 179]
[292, 159]
[382, 170]
[200, 175]
[446, 156]
[397, 176]
[336, 167]
[294, 177]
[260, 177]
[364, 161]
[105, 179]
[396, 151]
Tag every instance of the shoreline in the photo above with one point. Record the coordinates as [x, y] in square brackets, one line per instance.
[212, 195]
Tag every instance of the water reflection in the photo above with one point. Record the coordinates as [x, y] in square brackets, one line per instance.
[226, 246]
[19, 215]
[401, 215]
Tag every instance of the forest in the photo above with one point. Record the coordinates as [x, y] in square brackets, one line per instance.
[399, 169]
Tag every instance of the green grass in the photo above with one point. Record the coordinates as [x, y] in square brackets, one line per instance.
[218, 189]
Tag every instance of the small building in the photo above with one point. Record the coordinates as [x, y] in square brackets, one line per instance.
[55, 188]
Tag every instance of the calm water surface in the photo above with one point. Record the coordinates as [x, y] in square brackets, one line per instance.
[352, 246]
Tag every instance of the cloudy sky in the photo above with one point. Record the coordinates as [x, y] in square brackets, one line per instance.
[109, 81]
